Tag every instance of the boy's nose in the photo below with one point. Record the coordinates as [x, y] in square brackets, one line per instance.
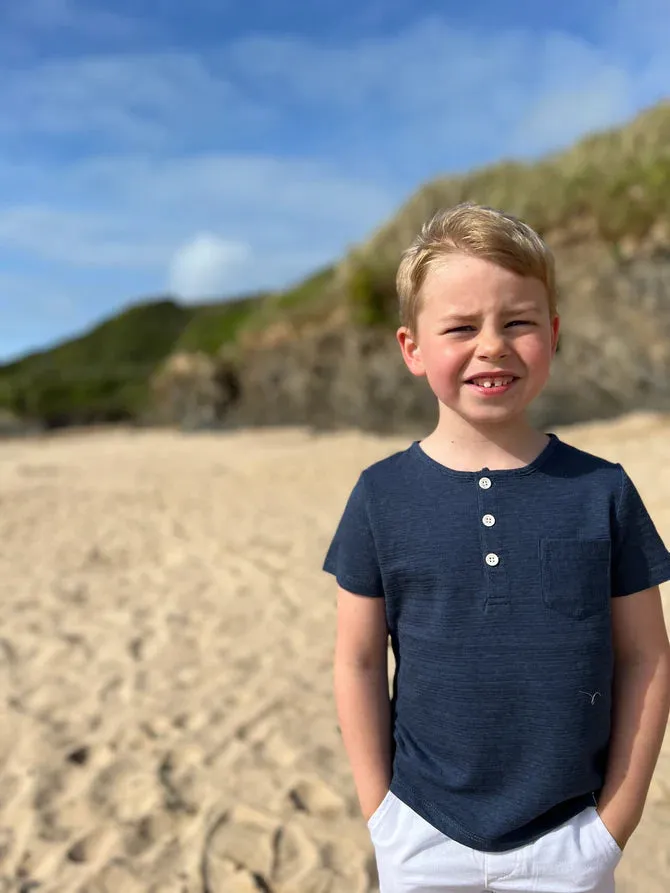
[492, 347]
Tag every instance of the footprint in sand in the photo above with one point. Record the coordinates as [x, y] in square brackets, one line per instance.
[295, 857]
[150, 832]
[355, 870]
[95, 846]
[315, 797]
[183, 785]
[243, 838]
[226, 877]
[114, 878]
[126, 793]
[6, 843]
[249, 851]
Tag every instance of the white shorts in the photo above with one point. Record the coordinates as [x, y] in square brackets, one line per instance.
[414, 857]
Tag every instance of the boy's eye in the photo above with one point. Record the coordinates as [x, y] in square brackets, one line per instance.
[458, 329]
[514, 322]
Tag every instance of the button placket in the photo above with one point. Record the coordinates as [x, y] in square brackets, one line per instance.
[489, 537]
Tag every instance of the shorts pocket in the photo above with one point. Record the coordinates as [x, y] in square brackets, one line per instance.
[379, 812]
[576, 578]
[605, 834]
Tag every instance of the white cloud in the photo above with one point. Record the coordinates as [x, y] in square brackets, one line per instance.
[294, 215]
[201, 268]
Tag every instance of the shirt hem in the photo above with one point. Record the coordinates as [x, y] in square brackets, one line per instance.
[657, 577]
[453, 830]
[352, 585]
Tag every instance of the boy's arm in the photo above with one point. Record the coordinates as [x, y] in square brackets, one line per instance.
[362, 694]
[640, 708]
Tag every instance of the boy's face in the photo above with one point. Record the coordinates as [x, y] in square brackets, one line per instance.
[480, 320]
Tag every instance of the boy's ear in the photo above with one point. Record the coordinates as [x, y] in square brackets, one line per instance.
[555, 331]
[411, 352]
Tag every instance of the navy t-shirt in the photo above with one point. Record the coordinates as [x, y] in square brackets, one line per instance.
[497, 588]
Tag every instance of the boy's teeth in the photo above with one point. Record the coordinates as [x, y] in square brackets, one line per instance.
[492, 382]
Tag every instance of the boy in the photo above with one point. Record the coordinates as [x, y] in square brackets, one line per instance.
[530, 696]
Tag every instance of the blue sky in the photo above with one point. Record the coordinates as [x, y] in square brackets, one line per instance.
[214, 148]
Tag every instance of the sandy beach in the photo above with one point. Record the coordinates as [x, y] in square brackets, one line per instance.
[166, 641]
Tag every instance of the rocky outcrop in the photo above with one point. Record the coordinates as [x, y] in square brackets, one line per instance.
[614, 356]
[193, 391]
[13, 426]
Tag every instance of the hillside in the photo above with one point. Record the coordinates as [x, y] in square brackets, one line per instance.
[103, 374]
[603, 205]
[612, 186]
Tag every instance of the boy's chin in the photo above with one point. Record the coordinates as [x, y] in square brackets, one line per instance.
[484, 415]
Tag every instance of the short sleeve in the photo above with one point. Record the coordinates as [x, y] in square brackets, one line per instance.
[352, 556]
[640, 559]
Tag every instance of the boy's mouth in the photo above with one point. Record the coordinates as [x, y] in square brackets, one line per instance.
[492, 385]
[491, 381]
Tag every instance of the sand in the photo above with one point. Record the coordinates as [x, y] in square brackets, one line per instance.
[165, 658]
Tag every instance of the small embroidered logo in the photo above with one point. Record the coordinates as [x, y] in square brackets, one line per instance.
[589, 695]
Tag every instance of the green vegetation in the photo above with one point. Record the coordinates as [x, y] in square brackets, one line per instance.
[307, 301]
[371, 294]
[306, 291]
[617, 180]
[214, 325]
[613, 185]
[99, 376]
[104, 374]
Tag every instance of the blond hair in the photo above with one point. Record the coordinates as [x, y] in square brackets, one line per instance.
[476, 231]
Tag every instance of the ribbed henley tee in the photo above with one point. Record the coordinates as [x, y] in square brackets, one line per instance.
[497, 588]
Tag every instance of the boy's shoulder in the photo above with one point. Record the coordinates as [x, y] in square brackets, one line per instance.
[571, 456]
[581, 471]
[387, 469]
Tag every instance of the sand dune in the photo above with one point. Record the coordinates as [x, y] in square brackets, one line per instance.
[165, 655]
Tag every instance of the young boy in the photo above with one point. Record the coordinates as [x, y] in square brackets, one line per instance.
[518, 578]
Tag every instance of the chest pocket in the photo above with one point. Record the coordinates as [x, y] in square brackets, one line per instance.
[575, 576]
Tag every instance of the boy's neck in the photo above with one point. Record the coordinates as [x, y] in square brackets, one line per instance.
[464, 447]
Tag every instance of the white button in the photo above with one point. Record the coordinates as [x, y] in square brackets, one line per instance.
[484, 483]
[492, 559]
[488, 520]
